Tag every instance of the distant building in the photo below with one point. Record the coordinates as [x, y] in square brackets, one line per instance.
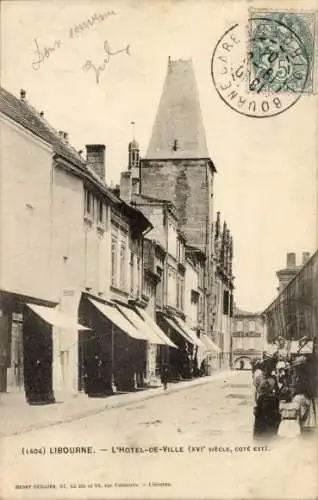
[293, 313]
[286, 274]
[223, 290]
[248, 340]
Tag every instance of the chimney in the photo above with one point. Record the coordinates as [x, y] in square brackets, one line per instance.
[22, 94]
[291, 260]
[126, 186]
[65, 136]
[95, 157]
[306, 256]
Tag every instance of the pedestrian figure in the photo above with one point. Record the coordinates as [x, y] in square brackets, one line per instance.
[258, 377]
[165, 375]
[266, 411]
[304, 394]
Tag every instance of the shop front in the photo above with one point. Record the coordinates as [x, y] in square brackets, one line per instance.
[22, 341]
[30, 330]
[113, 357]
[180, 360]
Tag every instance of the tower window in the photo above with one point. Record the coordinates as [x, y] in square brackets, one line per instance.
[175, 145]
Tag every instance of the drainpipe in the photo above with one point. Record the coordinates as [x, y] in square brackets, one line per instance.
[165, 270]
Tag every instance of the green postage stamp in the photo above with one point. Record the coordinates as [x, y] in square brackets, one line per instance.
[281, 51]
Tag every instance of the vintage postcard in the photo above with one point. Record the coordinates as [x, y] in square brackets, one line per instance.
[158, 249]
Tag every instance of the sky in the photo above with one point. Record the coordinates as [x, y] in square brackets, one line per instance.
[266, 181]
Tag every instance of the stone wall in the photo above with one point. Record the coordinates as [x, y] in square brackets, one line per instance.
[188, 184]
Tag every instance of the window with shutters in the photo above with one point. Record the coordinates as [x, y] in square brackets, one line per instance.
[132, 272]
[122, 264]
[114, 261]
[159, 289]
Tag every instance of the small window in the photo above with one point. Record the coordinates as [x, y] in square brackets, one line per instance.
[114, 261]
[226, 302]
[88, 202]
[194, 297]
[159, 294]
[239, 326]
[100, 211]
[252, 326]
[132, 273]
[122, 265]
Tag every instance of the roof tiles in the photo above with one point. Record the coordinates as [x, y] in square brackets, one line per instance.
[25, 115]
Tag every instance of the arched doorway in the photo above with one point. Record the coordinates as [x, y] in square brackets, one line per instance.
[243, 363]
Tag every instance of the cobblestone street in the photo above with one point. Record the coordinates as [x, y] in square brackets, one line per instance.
[183, 442]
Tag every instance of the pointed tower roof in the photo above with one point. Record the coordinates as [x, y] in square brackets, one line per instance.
[178, 131]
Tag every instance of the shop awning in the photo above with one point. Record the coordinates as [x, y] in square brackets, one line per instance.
[140, 324]
[195, 339]
[307, 348]
[209, 344]
[293, 347]
[179, 330]
[115, 316]
[156, 328]
[55, 318]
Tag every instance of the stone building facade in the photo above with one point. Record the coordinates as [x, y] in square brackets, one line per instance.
[73, 307]
[248, 338]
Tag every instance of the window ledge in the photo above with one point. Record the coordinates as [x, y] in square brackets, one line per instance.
[119, 290]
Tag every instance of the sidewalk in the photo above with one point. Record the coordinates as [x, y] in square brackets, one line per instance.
[17, 417]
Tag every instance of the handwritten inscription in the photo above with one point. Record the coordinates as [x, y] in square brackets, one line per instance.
[43, 52]
[89, 23]
[98, 69]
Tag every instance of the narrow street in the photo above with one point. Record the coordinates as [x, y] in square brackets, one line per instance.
[176, 444]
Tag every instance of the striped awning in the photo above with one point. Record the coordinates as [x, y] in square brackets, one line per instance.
[147, 318]
[54, 317]
[209, 344]
[112, 313]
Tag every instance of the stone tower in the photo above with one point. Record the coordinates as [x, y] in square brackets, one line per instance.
[177, 165]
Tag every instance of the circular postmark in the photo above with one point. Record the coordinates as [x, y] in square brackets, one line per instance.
[264, 77]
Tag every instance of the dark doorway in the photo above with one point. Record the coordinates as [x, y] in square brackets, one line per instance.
[95, 352]
[38, 355]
